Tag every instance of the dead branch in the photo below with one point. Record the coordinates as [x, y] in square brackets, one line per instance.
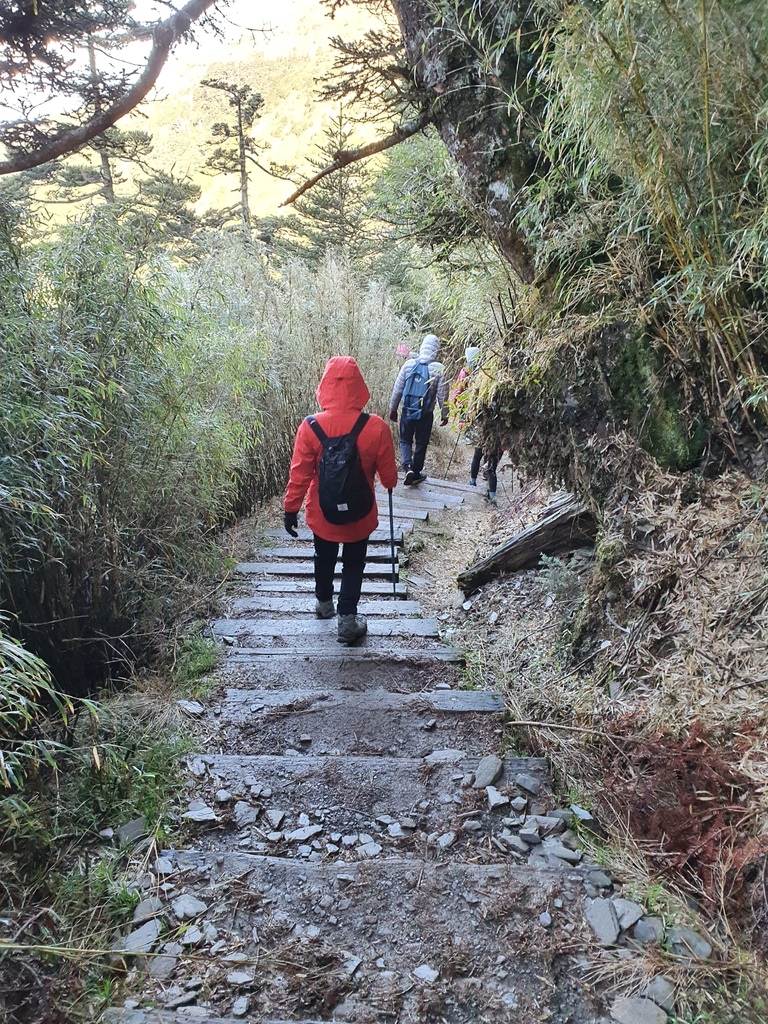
[351, 156]
[164, 35]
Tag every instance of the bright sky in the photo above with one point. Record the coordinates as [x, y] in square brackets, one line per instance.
[264, 22]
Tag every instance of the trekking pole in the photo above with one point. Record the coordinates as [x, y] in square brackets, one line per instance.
[392, 543]
[456, 445]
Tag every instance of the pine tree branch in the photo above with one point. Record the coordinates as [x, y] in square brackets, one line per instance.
[351, 156]
[164, 35]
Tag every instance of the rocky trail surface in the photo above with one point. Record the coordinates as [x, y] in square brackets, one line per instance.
[361, 847]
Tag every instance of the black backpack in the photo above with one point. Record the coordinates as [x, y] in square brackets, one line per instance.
[416, 392]
[345, 494]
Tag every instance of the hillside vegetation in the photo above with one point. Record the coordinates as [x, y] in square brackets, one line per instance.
[585, 200]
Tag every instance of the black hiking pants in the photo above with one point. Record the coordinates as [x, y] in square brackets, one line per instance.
[352, 566]
[491, 463]
[414, 438]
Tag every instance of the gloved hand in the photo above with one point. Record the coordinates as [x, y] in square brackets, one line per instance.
[393, 415]
[444, 423]
[290, 522]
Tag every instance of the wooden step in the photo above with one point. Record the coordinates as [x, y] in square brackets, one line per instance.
[320, 631]
[373, 570]
[304, 604]
[376, 722]
[401, 509]
[450, 486]
[419, 654]
[379, 535]
[306, 585]
[425, 491]
[411, 500]
[375, 553]
[445, 701]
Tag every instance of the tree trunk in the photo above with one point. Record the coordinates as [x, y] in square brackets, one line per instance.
[245, 210]
[565, 525]
[471, 105]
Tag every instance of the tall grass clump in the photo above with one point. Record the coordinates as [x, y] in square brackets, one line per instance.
[652, 210]
[122, 434]
[28, 701]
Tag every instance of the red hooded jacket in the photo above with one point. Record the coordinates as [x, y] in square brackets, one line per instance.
[342, 393]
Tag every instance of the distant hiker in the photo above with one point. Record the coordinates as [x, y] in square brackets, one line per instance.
[487, 454]
[458, 398]
[336, 473]
[421, 385]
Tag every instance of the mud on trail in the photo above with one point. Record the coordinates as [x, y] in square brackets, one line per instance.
[361, 844]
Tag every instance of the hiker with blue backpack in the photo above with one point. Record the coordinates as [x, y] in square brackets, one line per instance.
[421, 387]
[336, 456]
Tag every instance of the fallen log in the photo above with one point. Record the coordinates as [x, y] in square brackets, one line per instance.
[564, 525]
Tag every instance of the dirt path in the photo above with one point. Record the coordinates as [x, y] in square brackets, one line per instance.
[360, 847]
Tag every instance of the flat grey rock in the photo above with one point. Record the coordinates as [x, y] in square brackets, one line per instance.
[496, 799]
[192, 936]
[300, 835]
[147, 909]
[131, 831]
[628, 912]
[563, 853]
[661, 991]
[636, 1010]
[192, 708]
[427, 974]
[245, 814]
[141, 940]
[239, 979]
[162, 967]
[687, 944]
[648, 930]
[603, 920]
[187, 907]
[530, 783]
[548, 825]
[488, 771]
[369, 849]
[200, 814]
[175, 1002]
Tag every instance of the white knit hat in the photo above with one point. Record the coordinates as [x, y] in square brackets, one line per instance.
[430, 346]
[471, 354]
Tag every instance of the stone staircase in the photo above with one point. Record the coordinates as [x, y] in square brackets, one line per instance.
[360, 849]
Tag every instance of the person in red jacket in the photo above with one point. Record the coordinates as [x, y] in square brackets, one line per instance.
[342, 394]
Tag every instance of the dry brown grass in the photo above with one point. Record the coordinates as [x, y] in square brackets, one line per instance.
[662, 704]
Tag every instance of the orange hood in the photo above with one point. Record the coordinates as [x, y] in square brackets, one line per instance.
[342, 386]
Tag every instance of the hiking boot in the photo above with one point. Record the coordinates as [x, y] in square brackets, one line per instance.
[351, 628]
[410, 478]
[472, 482]
[325, 609]
[491, 498]
[419, 478]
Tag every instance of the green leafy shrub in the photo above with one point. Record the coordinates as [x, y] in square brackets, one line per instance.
[124, 439]
[27, 700]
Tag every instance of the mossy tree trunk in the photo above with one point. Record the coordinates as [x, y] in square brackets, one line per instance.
[472, 64]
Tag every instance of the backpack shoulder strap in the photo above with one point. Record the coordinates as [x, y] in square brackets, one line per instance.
[362, 419]
[317, 429]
